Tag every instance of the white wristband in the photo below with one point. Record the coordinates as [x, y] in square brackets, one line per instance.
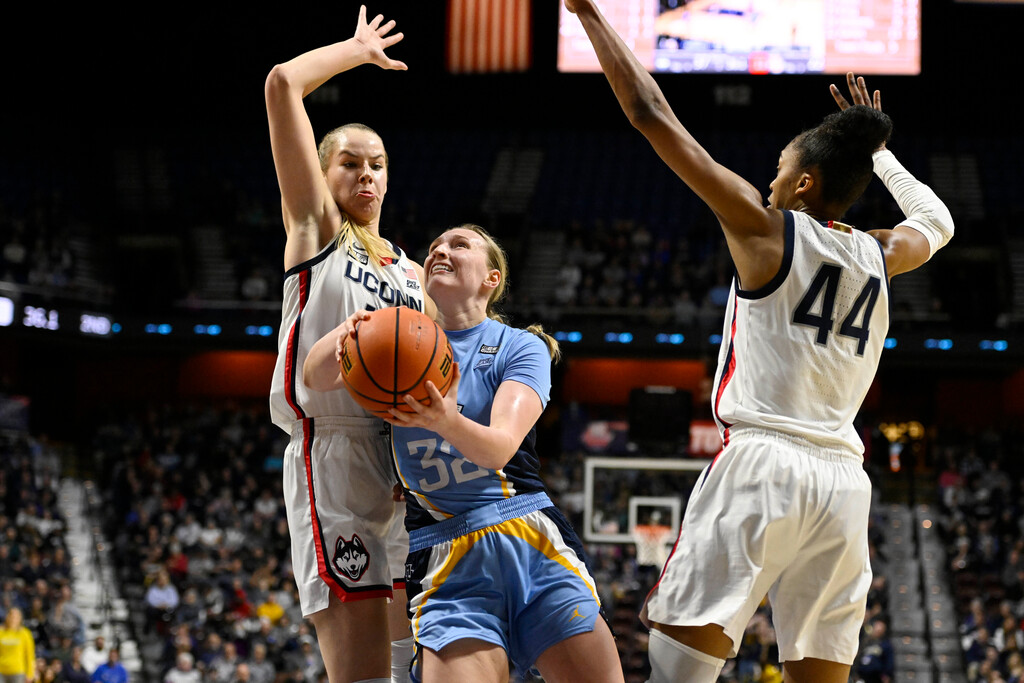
[924, 211]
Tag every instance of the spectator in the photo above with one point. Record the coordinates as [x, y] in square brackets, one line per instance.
[306, 660]
[17, 650]
[73, 670]
[223, 666]
[183, 671]
[94, 654]
[875, 663]
[241, 674]
[64, 619]
[270, 608]
[260, 668]
[111, 671]
[161, 600]
[1008, 637]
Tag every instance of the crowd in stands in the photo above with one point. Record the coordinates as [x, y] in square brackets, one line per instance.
[981, 493]
[35, 567]
[193, 507]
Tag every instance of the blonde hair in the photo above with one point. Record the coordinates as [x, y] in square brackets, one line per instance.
[498, 260]
[376, 247]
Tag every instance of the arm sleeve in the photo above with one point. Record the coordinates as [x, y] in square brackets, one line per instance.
[923, 209]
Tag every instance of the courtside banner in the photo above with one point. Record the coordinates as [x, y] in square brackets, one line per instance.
[488, 36]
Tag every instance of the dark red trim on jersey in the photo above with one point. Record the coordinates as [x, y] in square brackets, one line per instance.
[667, 561]
[323, 549]
[727, 374]
[292, 351]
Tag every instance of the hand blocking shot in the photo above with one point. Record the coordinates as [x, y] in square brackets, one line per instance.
[783, 510]
[496, 575]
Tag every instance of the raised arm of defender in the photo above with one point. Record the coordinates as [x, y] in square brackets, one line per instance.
[753, 232]
[928, 225]
[311, 215]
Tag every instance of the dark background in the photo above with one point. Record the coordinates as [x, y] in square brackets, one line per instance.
[95, 90]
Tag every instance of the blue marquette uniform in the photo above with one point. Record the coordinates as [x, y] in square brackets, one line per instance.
[490, 557]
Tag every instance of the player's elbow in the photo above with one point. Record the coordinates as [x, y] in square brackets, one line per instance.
[279, 83]
[646, 110]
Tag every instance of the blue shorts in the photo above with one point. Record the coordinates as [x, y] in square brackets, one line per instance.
[512, 573]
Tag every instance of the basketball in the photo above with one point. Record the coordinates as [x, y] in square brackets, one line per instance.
[395, 352]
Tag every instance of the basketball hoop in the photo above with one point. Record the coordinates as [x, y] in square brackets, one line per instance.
[651, 542]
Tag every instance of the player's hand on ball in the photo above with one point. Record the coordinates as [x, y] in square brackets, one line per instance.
[435, 416]
[347, 329]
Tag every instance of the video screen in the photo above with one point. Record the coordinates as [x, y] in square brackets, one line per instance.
[756, 36]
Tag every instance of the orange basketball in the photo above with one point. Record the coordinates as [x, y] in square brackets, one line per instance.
[395, 352]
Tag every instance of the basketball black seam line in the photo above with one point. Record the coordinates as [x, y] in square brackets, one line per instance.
[366, 370]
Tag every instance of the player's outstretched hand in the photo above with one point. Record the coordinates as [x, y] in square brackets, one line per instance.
[435, 416]
[375, 39]
[348, 328]
[858, 93]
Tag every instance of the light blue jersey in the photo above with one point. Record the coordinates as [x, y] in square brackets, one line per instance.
[439, 482]
[490, 557]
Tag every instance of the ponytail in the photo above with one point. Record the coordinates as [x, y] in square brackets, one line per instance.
[549, 341]
[376, 248]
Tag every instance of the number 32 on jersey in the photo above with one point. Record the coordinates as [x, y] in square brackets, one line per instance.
[823, 288]
[445, 469]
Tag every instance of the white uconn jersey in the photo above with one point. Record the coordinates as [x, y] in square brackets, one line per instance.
[318, 295]
[799, 354]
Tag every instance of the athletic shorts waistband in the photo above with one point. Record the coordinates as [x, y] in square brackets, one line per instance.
[474, 520]
[353, 426]
[828, 451]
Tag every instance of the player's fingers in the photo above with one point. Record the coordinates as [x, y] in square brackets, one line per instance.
[383, 30]
[362, 15]
[838, 97]
[391, 40]
[433, 392]
[415, 405]
[855, 92]
[878, 100]
[397, 65]
[376, 21]
[862, 88]
[398, 417]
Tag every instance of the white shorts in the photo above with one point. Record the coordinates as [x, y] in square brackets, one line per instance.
[778, 515]
[347, 533]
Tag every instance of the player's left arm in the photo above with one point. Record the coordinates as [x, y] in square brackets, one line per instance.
[321, 371]
[514, 411]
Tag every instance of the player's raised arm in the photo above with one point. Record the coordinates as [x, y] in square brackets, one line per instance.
[311, 215]
[928, 225]
[737, 204]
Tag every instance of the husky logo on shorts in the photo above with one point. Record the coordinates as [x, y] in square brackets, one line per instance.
[350, 557]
